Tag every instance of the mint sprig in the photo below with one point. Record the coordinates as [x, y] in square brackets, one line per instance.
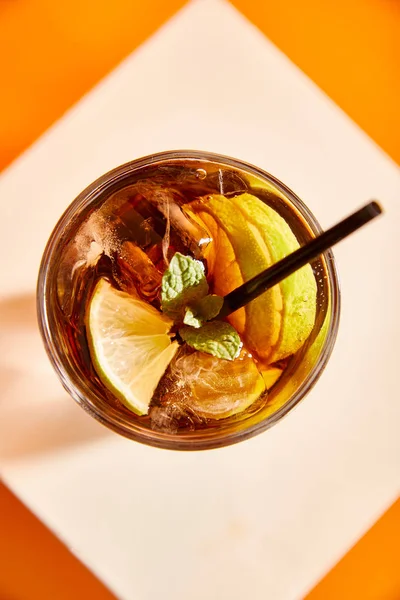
[204, 310]
[184, 297]
[216, 337]
[183, 283]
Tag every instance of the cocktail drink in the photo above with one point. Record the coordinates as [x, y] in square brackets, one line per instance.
[131, 286]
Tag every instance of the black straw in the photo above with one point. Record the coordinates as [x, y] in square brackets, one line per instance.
[260, 283]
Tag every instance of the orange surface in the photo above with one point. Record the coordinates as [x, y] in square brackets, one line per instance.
[350, 48]
[370, 571]
[51, 53]
[34, 565]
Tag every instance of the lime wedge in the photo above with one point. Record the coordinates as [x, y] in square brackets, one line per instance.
[129, 345]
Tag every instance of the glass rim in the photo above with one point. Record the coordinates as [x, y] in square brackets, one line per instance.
[200, 439]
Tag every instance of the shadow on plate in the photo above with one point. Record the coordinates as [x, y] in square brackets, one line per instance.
[36, 415]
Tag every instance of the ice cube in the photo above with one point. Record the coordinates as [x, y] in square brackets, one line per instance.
[136, 273]
[210, 387]
[95, 237]
[168, 202]
[173, 417]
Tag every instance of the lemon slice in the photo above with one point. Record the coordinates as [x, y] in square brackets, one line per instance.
[129, 345]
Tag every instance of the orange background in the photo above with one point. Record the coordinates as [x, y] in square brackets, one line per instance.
[51, 53]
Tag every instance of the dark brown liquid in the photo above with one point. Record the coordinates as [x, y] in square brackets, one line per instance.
[133, 234]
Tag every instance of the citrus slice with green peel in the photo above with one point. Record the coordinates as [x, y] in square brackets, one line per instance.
[248, 237]
[299, 290]
[129, 345]
[237, 254]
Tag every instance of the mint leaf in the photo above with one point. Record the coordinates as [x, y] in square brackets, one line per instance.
[183, 283]
[191, 318]
[204, 310]
[208, 307]
[216, 337]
